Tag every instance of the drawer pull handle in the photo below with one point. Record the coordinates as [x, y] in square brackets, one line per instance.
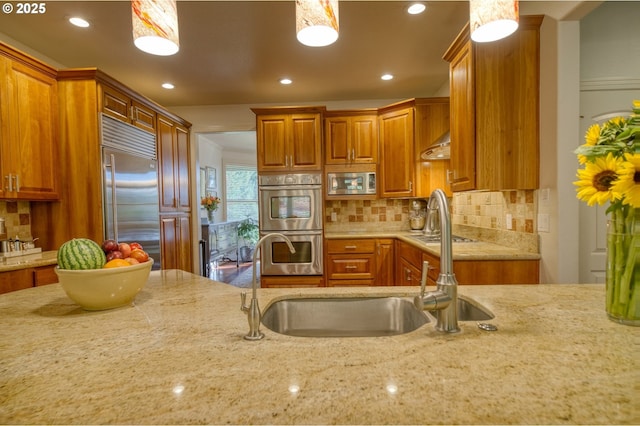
[350, 247]
[350, 267]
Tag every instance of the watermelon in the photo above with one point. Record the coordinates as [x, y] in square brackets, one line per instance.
[81, 253]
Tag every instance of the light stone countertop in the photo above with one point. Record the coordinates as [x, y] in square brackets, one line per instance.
[178, 357]
[477, 250]
[45, 258]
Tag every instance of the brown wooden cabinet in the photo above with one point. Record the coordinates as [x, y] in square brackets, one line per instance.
[397, 169]
[118, 105]
[28, 128]
[359, 262]
[351, 137]
[289, 139]
[300, 281]
[81, 98]
[431, 122]
[408, 264]
[175, 237]
[494, 92]
[173, 160]
[28, 277]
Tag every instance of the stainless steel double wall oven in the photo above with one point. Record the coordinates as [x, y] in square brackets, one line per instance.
[291, 204]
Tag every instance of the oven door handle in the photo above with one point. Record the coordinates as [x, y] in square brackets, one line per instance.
[292, 233]
[289, 187]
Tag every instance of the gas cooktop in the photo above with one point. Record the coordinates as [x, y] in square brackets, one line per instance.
[436, 239]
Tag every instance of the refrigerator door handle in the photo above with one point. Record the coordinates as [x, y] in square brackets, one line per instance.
[114, 204]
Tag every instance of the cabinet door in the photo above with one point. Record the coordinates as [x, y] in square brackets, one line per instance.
[305, 142]
[337, 148]
[364, 139]
[271, 135]
[29, 135]
[143, 117]
[173, 159]
[462, 104]
[396, 151]
[175, 234]
[385, 260]
[116, 104]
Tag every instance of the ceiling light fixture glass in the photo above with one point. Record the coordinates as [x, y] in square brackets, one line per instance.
[416, 8]
[317, 22]
[155, 26]
[79, 22]
[491, 20]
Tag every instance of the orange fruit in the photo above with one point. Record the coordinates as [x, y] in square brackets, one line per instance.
[116, 263]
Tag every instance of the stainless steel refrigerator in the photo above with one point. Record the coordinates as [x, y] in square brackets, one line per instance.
[130, 186]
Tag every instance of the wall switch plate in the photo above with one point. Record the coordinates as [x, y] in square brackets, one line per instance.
[544, 196]
[543, 222]
[334, 216]
[509, 221]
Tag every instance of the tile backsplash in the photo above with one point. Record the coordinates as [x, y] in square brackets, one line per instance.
[476, 214]
[17, 216]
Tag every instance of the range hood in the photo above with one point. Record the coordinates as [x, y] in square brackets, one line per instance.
[440, 150]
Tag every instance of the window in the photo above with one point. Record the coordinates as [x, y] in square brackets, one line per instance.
[242, 192]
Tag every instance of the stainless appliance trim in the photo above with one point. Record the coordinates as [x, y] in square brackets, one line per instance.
[369, 185]
[313, 267]
[312, 222]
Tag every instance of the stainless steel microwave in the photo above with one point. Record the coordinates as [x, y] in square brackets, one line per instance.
[351, 183]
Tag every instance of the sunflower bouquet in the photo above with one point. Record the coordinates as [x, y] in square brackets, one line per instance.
[610, 173]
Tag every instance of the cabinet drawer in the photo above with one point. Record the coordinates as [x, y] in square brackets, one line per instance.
[350, 283]
[347, 267]
[351, 246]
[44, 275]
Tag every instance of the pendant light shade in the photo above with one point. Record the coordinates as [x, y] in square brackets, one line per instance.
[155, 26]
[491, 20]
[317, 22]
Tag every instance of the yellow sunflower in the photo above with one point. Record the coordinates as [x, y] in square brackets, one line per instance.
[628, 183]
[591, 139]
[595, 184]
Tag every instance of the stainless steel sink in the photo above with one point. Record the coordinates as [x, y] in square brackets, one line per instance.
[470, 310]
[344, 317]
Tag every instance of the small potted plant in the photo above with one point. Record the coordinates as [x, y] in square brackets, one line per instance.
[248, 231]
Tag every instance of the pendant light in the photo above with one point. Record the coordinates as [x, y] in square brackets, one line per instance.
[317, 22]
[491, 20]
[155, 26]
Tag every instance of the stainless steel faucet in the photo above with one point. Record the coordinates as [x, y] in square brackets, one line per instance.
[253, 310]
[445, 299]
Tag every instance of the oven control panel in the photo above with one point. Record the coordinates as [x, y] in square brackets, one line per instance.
[291, 179]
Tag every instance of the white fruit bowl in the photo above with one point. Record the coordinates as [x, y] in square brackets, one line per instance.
[99, 289]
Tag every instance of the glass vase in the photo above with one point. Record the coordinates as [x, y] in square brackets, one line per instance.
[211, 216]
[623, 266]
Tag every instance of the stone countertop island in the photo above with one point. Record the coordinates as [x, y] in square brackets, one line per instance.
[178, 357]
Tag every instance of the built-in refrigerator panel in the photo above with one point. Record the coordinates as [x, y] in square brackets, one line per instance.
[130, 187]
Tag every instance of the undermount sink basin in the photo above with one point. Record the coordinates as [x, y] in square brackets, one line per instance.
[344, 317]
[470, 310]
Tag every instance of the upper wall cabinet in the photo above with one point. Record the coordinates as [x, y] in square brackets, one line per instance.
[28, 128]
[289, 139]
[173, 160]
[494, 90]
[397, 169]
[351, 137]
[123, 107]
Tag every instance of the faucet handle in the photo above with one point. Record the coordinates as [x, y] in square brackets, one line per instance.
[425, 274]
[243, 302]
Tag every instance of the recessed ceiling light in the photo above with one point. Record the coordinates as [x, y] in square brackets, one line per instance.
[286, 81]
[416, 8]
[387, 77]
[79, 22]
[168, 85]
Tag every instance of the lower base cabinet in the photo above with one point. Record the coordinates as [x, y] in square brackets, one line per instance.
[26, 278]
[359, 262]
[175, 238]
[277, 281]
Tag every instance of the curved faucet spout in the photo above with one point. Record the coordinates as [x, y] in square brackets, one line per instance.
[253, 310]
[444, 299]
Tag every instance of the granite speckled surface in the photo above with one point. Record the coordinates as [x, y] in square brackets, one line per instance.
[178, 357]
[477, 250]
[44, 258]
